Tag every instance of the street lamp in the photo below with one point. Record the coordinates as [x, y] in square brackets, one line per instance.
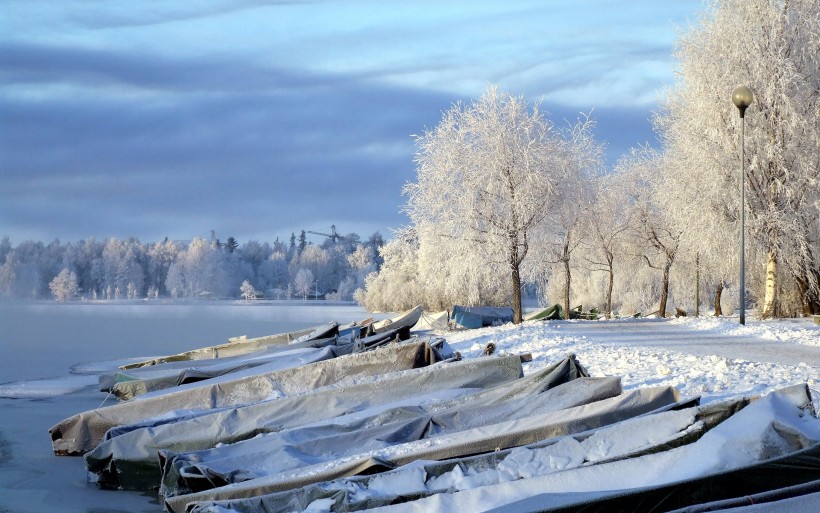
[742, 97]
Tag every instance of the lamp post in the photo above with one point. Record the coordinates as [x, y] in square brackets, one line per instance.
[742, 97]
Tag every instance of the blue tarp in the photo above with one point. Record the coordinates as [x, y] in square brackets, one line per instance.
[472, 317]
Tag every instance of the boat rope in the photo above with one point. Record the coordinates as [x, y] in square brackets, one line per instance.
[110, 391]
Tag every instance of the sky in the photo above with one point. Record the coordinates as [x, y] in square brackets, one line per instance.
[256, 119]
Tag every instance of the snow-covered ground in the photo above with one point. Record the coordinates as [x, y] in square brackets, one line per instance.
[708, 357]
[715, 358]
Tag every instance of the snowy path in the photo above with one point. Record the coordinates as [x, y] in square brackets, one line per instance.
[708, 357]
[752, 343]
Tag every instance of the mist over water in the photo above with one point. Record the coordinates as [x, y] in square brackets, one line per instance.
[43, 340]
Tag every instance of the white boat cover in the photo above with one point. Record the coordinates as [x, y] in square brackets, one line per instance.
[128, 459]
[485, 438]
[82, 432]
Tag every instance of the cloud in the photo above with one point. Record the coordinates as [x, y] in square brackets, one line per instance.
[209, 145]
[260, 118]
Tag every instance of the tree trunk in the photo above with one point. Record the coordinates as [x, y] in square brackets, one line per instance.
[770, 295]
[718, 292]
[515, 268]
[664, 291]
[608, 309]
[516, 285]
[567, 282]
[809, 299]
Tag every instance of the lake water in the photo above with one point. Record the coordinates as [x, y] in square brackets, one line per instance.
[45, 340]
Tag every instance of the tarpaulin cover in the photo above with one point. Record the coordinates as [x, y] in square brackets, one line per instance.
[82, 432]
[342, 437]
[771, 444]
[792, 469]
[239, 346]
[173, 370]
[672, 428]
[406, 319]
[129, 384]
[551, 313]
[797, 498]
[130, 459]
[479, 316]
[462, 443]
[233, 368]
[767, 429]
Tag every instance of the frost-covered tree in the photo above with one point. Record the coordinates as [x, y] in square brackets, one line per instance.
[175, 280]
[254, 254]
[247, 291]
[362, 262]
[486, 178]
[608, 227]
[161, 256]
[319, 262]
[567, 227]
[84, 258]
[194, 268]
[345, 290]
[396, 286]
[303, 282]
[273, 272]
[770, 46]
[64, 286]
[122, 262]
[655, 236]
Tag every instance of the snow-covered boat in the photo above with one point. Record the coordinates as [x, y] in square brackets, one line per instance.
[550, 313]
[437, 322]
[127, 458]
[472, 317]
[82, 432]
[241, 345]
[408, 318]
[479, 438]
[670, 460]
[127, 384]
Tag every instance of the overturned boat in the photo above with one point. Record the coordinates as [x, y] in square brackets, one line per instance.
[406, 319]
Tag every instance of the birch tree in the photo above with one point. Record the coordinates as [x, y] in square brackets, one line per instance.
[772, 47]
[486, 178]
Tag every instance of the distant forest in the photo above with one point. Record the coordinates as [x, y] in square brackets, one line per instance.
[130, 269]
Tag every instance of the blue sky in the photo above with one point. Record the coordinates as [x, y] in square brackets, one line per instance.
[257, 119]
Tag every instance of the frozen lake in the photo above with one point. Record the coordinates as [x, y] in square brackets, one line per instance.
[44, 340]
